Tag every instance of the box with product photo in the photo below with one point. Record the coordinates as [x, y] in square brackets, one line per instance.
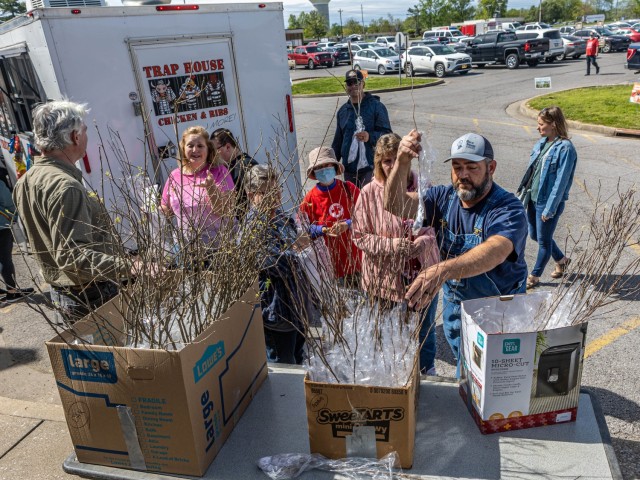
[157, 410]
[515, 373]
[362, 420]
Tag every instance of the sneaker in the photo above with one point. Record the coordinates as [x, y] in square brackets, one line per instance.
[12, 297]
[431, 372]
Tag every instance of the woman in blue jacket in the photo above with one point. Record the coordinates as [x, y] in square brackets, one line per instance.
[555, 160]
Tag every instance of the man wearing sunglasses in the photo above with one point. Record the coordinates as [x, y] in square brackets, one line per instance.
[360, 122]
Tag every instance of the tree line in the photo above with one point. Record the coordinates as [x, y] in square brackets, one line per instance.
[427, 14]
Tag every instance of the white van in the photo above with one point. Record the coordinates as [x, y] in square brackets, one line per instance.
[556, 47]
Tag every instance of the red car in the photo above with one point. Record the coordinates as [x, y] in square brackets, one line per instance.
[312, 57]
[634, 35]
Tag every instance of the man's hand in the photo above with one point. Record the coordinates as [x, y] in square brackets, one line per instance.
[426, 285]
[338, 228]
[409, 147]
[362, 136]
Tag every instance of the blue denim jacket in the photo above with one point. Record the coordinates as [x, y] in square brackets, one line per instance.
[7, 207]
[376, 123]
[556, 176]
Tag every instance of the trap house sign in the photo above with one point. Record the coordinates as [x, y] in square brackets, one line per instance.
[188, 83]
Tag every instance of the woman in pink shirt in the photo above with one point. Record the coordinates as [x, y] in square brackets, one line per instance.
[200, 191]
[392, 254]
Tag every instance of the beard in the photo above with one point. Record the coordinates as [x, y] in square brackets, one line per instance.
[472, 191]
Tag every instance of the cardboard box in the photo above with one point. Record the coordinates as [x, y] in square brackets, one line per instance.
[361, 420]
[157, 410]
[512, 381]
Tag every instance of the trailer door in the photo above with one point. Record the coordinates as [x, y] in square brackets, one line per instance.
[183, 82]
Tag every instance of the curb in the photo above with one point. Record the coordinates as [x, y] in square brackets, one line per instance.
[524, 109]
[382, 90]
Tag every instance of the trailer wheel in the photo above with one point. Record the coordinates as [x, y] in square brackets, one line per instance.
[606, 48]
[532, 63]
[440, 71]
[311, 65]
[512, 61]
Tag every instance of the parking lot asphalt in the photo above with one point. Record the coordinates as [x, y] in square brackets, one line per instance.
[30, 413]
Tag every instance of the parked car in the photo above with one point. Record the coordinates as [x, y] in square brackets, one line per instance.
[617, 26]
[424, 41]
[507, 48]
[633, 35]
[389, 42]
[445, 36]
[556, 48]
[311, 57]
[340, 55]
[533, 26]
[325, 44]
[609, 42]
[437, 59]
[636, 27]
[633, 57]
[380, 59]
[567, 30]
[354, 37]
[574, 47]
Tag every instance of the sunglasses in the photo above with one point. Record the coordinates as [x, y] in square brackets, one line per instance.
[352, 81]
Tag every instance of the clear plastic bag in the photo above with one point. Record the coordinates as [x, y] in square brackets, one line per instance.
[425, 164]
[291, 465]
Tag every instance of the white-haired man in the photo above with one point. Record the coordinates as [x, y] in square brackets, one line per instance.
[68, 228]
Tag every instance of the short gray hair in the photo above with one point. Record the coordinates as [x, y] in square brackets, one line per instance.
[258, 176]
[53, 123]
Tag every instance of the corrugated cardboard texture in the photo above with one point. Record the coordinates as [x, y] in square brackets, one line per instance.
[333, 410]
[185, 403]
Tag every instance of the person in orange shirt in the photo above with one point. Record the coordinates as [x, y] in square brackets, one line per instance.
[592, 53]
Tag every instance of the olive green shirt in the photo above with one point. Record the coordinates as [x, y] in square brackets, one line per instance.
[68, 227]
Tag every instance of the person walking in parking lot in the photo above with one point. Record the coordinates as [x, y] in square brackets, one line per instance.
[592, 53]
[360, 122]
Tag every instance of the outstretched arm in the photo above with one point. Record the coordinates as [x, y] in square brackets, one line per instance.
[396, 198]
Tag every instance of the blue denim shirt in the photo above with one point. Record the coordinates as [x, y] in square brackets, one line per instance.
[7, 207]
[376, 123]
[557, 173]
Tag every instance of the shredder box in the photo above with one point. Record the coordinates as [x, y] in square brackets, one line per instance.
[158, 410]
[336, 413]
[512, 381]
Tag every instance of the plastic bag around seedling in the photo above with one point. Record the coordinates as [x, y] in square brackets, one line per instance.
[426, 159]
[291, 465]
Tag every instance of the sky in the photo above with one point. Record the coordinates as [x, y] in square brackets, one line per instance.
[372, 9]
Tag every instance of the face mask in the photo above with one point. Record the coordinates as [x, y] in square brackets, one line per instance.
[326, 175]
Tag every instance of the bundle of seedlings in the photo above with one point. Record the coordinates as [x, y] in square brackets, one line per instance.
[178, 284]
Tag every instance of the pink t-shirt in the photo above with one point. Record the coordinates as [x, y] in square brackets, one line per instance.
[191, 204]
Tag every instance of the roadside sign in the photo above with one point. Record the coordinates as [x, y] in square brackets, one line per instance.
[635, 93]
[401, 41]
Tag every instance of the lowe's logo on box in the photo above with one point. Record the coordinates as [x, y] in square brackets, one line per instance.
[89, 366]
[212, 355]
[511, 346]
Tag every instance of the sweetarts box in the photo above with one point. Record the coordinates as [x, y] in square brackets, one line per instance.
[361, 420]
[157, 410]
[517, 371]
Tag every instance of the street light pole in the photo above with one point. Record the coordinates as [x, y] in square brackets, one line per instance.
[362, 16]
[540, 12]
[341, 33]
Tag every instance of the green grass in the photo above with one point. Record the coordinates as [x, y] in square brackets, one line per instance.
[607, 106]
[336, 85]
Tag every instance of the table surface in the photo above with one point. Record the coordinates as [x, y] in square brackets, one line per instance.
[448, 442]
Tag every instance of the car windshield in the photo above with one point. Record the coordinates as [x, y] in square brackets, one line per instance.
[390, 39]
[456, 33]
[313, 49]
[442, 49]
[606, 31]
[385, 52]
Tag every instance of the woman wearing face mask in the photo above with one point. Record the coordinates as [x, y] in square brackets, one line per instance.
[328, 207]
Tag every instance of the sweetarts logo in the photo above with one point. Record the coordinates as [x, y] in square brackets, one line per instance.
[89, 366]
[212, 355]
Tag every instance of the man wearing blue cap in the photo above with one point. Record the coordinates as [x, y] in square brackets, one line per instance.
[481, 230]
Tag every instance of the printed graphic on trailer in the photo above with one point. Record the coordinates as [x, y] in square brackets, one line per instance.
[192, 83]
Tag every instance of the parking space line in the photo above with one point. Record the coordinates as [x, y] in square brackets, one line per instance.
[609, 337]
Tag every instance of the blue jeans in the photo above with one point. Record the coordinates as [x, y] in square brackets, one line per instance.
[428, 331]
[542, 233]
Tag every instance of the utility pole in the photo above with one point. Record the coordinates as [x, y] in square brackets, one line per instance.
[341, 33]
[540, 12]
[362, 16]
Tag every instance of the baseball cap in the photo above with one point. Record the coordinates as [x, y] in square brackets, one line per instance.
[353, 74]
[471, 146]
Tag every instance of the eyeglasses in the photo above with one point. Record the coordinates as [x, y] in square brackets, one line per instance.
[352, 81]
